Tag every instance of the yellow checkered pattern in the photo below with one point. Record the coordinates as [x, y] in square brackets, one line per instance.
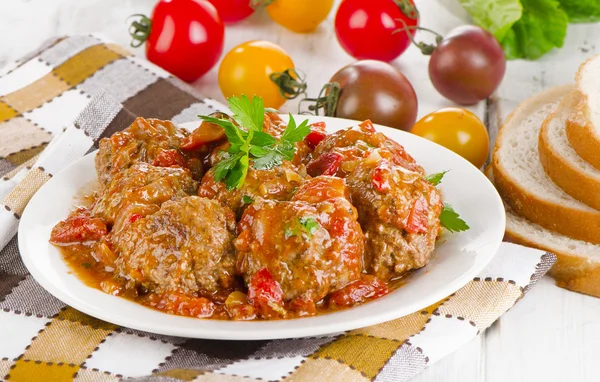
[53, 342]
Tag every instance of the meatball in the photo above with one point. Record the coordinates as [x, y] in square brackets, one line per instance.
[399, 214]
[146, 140]
[398, 210]
[341, 151]
[187, 246]
[277, 183]
[312, 244]
[140, 190]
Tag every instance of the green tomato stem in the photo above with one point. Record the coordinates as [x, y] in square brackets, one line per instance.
[291, 84]
[139, 30]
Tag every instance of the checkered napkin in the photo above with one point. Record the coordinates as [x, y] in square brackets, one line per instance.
[54, 106]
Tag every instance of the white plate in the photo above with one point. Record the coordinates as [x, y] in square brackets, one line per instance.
[458, 259]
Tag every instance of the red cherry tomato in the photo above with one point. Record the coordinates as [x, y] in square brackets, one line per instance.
[184, 37]
[232, 11]
[365, 29]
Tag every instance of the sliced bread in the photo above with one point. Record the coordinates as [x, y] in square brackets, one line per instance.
[562, 163]
[578, 265]
[583, 126]
[522, 181]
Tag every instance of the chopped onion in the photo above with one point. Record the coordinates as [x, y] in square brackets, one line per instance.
[236, 298]
[373, 158]
[349, 166]
[292, 176]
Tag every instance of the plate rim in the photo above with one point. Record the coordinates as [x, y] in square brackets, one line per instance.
[299, 332]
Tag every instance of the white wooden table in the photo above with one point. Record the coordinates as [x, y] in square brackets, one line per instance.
[552, 334]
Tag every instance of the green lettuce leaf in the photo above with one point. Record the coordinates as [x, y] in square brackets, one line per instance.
[542, 27]
[581, 11]
[497, 16]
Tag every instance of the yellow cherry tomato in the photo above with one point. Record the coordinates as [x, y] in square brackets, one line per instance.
[458, 130]
[246, 70]
[300, 16]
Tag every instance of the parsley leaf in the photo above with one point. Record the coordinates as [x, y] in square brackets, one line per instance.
[258, 151]
[247, 199]
[310, 225]
[293, 133]
[273, 155]
[451, 220]
[261, 138]
[236, 176]
[222, 168]
[249, 114]
[271, 158]
[436, 178]
[248, 141]
[307, 225]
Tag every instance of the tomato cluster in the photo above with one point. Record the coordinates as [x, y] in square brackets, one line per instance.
[186, 37]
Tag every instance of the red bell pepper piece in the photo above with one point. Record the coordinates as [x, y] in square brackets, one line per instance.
[418, 217]
[265, 293]
[78, 228]
[368, 287]
[380, 180]
[168, 158]
[326, 164]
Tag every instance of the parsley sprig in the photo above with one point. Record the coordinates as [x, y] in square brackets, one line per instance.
[436, 178]
[449, 219]
[249, 142]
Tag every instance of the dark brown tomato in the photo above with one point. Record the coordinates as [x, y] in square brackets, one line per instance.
[376, 90]
[468, 66]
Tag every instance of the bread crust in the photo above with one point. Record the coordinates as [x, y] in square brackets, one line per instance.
[581, 225]
[570, 271]
[581, 133]
[570, 178]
